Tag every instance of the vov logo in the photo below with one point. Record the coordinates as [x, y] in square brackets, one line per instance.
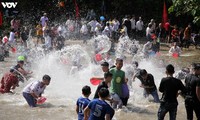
[9, 4]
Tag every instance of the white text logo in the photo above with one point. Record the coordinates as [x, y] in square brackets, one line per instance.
[9, 4]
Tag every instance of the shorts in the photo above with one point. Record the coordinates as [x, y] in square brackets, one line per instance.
[119, 101]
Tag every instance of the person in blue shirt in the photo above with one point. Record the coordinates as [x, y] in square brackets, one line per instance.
[98, 109]
[82, 102]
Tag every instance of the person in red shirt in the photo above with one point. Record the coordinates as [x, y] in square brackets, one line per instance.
[9, 81]
[167, 27]
[175, 34]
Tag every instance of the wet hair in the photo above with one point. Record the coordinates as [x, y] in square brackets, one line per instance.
[46, 77]
[107, 74]
[135, 63]
[12, 30]
[143, 72]
[105, 64]
[12, 70]
[195, 66]
[119, 60]
[103, 92]
[21, 61]
[86, 90]
[170, 69]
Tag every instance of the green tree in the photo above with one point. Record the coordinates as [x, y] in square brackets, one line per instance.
[186, 7]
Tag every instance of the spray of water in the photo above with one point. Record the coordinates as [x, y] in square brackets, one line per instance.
[72, 67]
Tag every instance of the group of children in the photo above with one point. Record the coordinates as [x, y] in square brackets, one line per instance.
[98, 108]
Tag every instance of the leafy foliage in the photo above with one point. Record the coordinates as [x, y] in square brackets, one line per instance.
[187, 7]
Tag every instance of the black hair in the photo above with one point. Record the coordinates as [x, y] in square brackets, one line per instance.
[21, 61]
[86, 90]
[143, 72]
[107, 74]
[119, 60]
[105, 64]
[107, 24]
[12, 70]
[46, 77]
[103, 92]
[135, 63]
[195, 66]
[170, 69]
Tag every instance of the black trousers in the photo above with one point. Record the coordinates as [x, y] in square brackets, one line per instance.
[192, 105]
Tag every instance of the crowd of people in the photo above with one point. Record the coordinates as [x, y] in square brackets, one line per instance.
[53, 36]
[115, 85]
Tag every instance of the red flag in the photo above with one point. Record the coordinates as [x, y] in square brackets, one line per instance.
[1, 18]
[164, 16]
[77, 9]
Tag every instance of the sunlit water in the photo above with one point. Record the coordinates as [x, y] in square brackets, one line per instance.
[68, 80]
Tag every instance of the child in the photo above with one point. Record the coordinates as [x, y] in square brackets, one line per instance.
[118, 80]
[34, 90]
[19, 67]
[105, 84]
[107, 80]
[98, 109]
[82, 102]
[9, 81]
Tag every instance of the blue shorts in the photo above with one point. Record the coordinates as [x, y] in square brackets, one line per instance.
[30, 99]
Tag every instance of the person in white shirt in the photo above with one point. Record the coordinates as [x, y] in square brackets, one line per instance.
[43, 19]
[133, 26]
[115, 25]
[175, 49]
[149, 32]
[152, 22]
[139, 26]
[92, 24]
[124, 31]
[107, 30]
[33, 91]
[97, 29]
[115, 28]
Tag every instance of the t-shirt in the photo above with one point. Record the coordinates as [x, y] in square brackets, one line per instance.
[43, 20]
[149, 82]
[12, 37]
[39, 30]
[98, 109]
[167, 26]
[191, 82]
[133, 25]
[139, 25]
[170, 86]
[7, 81]
[103, 84]
[34, 87]
[82, 103]
[24, 36]
[117, 81]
